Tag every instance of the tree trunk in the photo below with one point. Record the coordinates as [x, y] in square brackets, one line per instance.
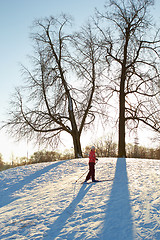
[75, 133]
[121, 143]
[77, 145]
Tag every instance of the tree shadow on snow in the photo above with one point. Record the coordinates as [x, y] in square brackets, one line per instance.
[6, 195]
[60, 222]
[118, 223]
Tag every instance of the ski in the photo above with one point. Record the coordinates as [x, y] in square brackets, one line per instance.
[98, 181]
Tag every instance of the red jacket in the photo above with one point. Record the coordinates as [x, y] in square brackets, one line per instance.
[92, 156]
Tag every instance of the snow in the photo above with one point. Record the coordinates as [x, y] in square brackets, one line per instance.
[47, 201]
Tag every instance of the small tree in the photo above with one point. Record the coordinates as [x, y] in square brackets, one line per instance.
[44, 156]
[1, 161]
[132, 53]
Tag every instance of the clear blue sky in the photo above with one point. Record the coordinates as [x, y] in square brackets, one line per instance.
[16, 18]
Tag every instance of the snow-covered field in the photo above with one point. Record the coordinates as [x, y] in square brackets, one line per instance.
[44, 201]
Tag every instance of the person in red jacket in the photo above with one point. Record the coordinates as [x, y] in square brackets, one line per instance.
[92, 161]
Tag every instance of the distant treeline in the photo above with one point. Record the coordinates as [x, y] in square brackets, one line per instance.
[108, 148]
[103, 149]
[37, 157]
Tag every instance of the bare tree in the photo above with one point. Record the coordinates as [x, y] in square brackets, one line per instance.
[60, 89]
[132, 52]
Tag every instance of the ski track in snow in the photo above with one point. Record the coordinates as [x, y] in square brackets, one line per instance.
[44, 201]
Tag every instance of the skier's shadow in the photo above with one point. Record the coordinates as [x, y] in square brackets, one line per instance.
[59, 223]
[118, 223]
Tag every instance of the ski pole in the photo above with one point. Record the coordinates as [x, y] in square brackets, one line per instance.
[81, 176]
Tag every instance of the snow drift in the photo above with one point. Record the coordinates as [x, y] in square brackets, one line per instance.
[45, 201]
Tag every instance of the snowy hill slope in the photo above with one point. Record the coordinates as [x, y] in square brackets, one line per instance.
[44, 201]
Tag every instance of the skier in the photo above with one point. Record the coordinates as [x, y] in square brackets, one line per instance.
[92, 161]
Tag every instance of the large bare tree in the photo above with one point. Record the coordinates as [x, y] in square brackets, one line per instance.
[133, 54]
[60, 88]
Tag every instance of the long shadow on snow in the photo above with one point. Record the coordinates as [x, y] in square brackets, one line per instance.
[60, 222]
[6, 197]
[118, 224]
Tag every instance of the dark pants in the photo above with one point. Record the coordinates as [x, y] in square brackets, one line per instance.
[91, 172]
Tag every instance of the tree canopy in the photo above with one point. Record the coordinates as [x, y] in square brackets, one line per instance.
[75, 74]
